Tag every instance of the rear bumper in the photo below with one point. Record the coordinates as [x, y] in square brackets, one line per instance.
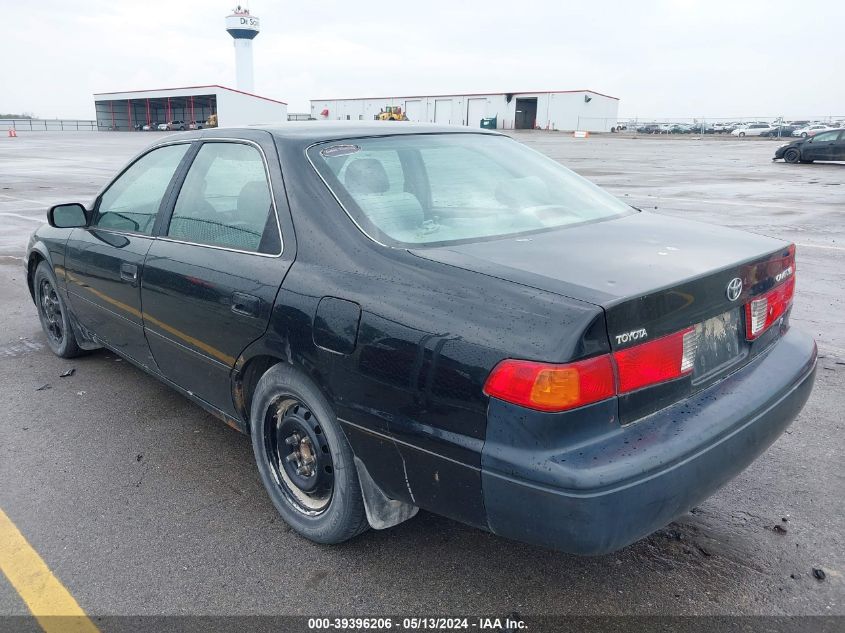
[586, 485]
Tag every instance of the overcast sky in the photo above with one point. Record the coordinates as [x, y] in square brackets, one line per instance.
[662, 58]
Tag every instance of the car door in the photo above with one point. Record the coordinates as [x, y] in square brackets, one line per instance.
[821, 146]
[839, 147]
[212, 275]
[104, 261]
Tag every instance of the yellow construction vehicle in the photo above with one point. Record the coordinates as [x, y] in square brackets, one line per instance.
[391, 113]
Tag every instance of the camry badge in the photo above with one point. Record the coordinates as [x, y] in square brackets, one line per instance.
[734, 288]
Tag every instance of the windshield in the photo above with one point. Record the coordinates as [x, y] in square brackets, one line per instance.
[431, 189]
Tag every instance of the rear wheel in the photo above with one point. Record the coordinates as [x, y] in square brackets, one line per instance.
[304, 459]
[53, 313]
[742, 133]
[792, 155]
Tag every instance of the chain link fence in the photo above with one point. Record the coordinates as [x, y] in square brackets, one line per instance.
[49, 125]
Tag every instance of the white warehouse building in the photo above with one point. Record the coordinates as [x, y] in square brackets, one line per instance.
[133, 109]
[551, 110]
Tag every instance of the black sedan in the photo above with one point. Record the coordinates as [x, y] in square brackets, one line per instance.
[780, 131]
[828, 145]
[434, 317]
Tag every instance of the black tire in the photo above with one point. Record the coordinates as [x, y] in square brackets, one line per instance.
[286, 404]
[741, 134]
[53, 313]
[792, 155]
[803, 135]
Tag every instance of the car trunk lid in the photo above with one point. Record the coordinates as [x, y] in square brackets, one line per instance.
[653, 276]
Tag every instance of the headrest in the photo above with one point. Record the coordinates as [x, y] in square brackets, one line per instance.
[254, 200]
[366, 175]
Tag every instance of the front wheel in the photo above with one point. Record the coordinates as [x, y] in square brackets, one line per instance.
[53, 313]
[792, 155]
[803, 135]
[742, 133]
[304, 459]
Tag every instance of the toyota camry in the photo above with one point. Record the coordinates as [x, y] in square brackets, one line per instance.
[418, 316]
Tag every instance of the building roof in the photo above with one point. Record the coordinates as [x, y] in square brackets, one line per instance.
[471, 94]
[182, 88]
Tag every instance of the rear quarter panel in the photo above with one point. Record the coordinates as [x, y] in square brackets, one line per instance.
[409, 394]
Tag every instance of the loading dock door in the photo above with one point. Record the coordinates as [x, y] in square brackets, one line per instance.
[413, 110]
[476, 110]
[526, 114]
[443, 111]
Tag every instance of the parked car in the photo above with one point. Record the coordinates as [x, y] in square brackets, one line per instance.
[753, 129]
[149, 126]
[682, 128]
[701, 128]
[722, 128]
[196, 125]
[779, 130]
[453, 345]
[811, 130]
[649, 128]
[175, 126]
[827, 145]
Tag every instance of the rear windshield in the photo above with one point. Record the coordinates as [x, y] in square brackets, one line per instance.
[432, 189]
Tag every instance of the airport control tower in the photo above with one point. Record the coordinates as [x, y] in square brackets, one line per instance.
[243, 27]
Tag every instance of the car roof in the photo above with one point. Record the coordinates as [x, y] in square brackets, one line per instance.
[317, 131]
[305, 133]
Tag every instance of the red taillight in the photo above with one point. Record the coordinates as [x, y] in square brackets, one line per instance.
[662, 359]
[552, 387]
[764, 310]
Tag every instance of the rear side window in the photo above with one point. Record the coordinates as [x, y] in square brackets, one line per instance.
[225, 201]
[131, 202]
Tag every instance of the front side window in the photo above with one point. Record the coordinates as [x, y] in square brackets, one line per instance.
[131, 202]
[825, 136]
[431, 189]
[225, 201]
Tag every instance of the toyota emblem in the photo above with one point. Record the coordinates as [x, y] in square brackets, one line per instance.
[734, 288]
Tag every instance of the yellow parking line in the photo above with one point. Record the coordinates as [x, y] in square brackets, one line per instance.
[42, 592]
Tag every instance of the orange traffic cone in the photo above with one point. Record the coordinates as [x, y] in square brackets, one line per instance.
[13, 132]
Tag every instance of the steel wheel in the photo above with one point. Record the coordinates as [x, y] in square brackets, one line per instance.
[300, 458]
[51, 312]
[792, 155]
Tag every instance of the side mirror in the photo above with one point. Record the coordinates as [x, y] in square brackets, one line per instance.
[67, 216]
